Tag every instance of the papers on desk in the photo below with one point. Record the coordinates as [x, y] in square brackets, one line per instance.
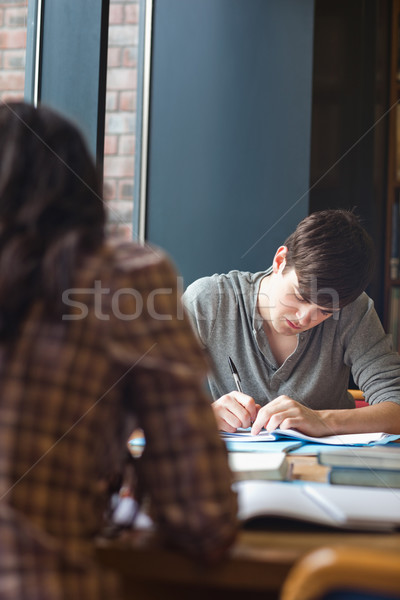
[238, 445]
[352, 439]
[343, 507]
[282, 445]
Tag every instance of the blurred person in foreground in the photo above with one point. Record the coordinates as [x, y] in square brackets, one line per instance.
[93, 343]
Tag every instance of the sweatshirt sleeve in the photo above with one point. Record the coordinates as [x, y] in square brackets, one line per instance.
[369, 352]
[202, 301]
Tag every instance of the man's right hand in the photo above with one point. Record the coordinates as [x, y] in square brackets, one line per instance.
[235, 410]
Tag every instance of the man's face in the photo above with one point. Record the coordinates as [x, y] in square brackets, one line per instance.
[283, 308]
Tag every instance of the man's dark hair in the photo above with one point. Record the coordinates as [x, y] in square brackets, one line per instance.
[333, 257]
[51, 210]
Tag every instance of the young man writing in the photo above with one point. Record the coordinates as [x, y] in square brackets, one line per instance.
[296, 332]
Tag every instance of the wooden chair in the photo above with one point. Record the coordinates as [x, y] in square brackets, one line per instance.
[344, 573]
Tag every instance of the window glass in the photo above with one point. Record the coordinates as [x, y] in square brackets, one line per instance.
[13, 19]
[119, 148]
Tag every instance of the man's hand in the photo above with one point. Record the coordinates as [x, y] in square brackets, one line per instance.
[285, 413]
[235, 410]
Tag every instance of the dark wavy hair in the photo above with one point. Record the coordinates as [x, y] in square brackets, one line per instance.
[51, 210]
[333, 257]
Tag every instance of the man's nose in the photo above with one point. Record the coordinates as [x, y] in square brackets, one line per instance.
[305, 315]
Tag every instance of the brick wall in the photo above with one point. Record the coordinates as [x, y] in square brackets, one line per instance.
[120, 100]
[121, 112]
[12, 48]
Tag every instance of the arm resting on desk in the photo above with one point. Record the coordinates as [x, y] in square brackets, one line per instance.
[286, 413]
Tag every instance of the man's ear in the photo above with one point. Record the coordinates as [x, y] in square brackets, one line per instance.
[279, 262]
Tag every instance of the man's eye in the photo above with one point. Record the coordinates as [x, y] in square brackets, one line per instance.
[326, 313]
[299, 298]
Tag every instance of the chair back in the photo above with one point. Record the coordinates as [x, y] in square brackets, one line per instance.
[344, 573]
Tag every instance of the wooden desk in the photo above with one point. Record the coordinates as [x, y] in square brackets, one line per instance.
[255, 568]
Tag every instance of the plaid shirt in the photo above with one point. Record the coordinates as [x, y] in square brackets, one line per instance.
[123, 355]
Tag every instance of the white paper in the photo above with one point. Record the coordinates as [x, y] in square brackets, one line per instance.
[345, 507]
[339, 440]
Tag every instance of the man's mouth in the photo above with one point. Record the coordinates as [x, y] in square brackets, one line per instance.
[292, 325]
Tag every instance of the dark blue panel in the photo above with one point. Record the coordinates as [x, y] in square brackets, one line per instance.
[71, 68]
[342, 593]
[229, 131]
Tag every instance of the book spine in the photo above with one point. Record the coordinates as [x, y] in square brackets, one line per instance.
[395, 245]
[365, 477]
[355, 460]
[394, 320]
[396, 323]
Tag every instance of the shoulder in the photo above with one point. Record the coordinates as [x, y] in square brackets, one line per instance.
[132, 265]
[218, 289]
[199, 286]
[201, 298]
[126, 257]
[234, 282]
[361, 307]
[360, 319]
[209, 298]
[124, 264]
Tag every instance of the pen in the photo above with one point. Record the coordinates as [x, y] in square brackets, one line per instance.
[235, 375]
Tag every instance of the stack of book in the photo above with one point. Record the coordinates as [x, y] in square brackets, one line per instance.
[394, 318]
[377, 466]
[395, 240]
[272, 466]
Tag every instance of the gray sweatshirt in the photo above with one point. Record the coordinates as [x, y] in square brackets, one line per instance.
[223, 310]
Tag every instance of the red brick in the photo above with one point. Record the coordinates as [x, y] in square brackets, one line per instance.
[120, 211]
[118, 166]
[114, 57]
[111, 101]
[129, 57]
[110, 189]
[12, 81]
[132, 13]
[124, 232]
[14, 59]
[16, 17]
[13, 39]
[110, 144]
[126, 145]
[122, 79]
[11, 96]
[126, 190]
[116, 14]
[120, 123]
[123, 35]
[127, 101]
